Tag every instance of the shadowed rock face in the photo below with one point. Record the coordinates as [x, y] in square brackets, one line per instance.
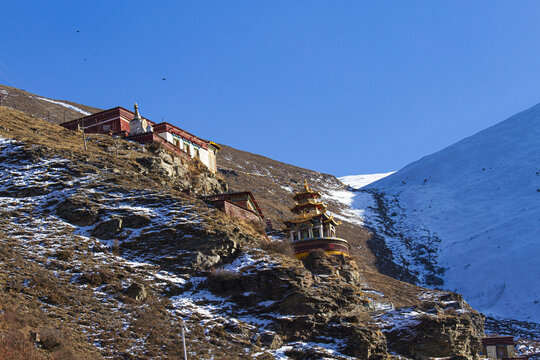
[108, 229]
[309, 304]
[78, 211]
[135, 221]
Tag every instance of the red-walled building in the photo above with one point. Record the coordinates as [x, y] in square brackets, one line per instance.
[114, 121]
[237, 204]
[131, 126]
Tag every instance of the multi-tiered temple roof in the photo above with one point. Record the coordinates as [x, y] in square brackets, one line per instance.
[312, 227]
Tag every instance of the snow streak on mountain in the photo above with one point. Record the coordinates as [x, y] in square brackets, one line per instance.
[477, 204]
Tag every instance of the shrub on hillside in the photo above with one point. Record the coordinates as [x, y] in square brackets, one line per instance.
[96, 278]
[64, 255]
[220, 273]
[50, 339]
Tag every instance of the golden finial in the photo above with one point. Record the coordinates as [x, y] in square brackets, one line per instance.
[137, 116]
[306, 185]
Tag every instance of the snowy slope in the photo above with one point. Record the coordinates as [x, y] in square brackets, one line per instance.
[359, 181]
[480, 200]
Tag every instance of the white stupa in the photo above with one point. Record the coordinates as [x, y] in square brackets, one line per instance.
[139, 125]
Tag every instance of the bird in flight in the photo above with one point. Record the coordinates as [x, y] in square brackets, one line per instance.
[78, 31]
[164, 79]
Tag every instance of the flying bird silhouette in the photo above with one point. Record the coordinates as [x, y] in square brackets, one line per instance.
[164, 79]
[77, 30]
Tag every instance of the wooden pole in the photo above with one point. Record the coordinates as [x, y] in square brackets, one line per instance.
[83, 134]
[115, 140]
[184, 340]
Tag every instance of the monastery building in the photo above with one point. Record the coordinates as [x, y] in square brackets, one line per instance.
[131, 126]
[313, 228]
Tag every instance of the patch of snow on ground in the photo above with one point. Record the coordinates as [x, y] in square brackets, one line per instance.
[398, 319]
[69, 106]
[247, 262]
[287, 188]
[354, 206]
[329, 349]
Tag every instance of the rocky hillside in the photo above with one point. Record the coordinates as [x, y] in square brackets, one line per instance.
[55, 111]
[273, 183]
[109, 255]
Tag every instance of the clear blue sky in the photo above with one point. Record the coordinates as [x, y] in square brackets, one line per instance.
[344, 87]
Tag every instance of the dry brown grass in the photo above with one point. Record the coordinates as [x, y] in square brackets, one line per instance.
[16, 324]
[14, 346]
[97, 278]
[278, 247]
[64, 255]
[100, 153]
[22, 100]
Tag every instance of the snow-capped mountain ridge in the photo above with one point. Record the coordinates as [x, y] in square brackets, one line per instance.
[480, 197]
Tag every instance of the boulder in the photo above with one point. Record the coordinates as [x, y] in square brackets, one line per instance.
[319, 263]
[107, 229]
[270, 340]
[165, 156]
[136, 291]
[22, 192]
[203, 261]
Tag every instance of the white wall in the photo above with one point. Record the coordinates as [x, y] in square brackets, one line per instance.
[204, 156]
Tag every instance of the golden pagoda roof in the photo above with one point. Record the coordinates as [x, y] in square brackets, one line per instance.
[308, 217]
[307, 191]
[305, 217]
[309, 203]
[331, 219]
[301, 210]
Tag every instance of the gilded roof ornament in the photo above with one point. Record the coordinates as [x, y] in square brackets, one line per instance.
[137, 115]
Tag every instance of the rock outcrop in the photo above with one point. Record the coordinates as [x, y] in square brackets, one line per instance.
[78, 211]
[322, 298]
[443, 325]
[191, 176]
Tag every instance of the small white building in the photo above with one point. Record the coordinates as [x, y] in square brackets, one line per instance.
[499, 347]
